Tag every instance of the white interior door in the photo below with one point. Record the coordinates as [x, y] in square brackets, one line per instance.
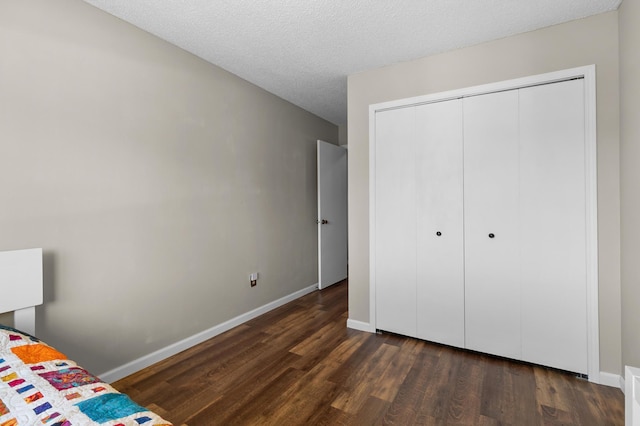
[492, 254]
[395, 221]
[553, 224]
[440, 237]
[332, 214]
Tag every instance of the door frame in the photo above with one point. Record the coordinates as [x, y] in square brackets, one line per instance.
[588, 73]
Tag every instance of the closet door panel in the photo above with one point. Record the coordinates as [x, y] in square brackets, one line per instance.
[395, 222]
[440, 255]
[552, 205]
[492, 258]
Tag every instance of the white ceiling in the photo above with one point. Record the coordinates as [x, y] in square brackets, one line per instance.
[303, 50]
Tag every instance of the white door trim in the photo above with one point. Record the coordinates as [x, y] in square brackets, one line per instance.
[589, 75]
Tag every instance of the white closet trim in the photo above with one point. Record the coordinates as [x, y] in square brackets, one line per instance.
[589, 75]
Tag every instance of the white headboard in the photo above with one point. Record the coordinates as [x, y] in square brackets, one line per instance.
[21, 285]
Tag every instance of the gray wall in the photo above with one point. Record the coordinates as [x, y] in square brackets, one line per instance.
[154, 181]
[630, 179]
[592, 40]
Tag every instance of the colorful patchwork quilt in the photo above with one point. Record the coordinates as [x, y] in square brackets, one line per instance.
[40, 386]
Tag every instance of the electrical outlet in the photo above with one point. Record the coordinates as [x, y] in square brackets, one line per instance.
[253, 279]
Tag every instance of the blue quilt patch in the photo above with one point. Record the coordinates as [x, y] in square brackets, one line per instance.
[109, 407]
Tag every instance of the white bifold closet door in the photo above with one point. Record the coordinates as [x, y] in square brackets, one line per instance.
[440, 236]
[553, 224]
[525, 222]
[395, 221]
[492, 241]
[480, 223]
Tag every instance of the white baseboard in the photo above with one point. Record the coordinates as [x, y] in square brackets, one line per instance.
[610, 379]
[148, 360]
[359, 325]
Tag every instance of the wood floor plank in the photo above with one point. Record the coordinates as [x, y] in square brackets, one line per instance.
[325, 337]
[499, 387]
[246, 410]
[361, 384]
[407, 404]
[300, 365]
[554, 416]
[300, 402]
[201, 381]
[372, 412]
[343, 372]
[439, 384]
[332, 358]
[464, 408]
[326, 415]
[247, 389]
[524, 395]
[610, 400]
[387, 385]
[550, 391]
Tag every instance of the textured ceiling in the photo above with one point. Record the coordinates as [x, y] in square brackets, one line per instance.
[303, 51]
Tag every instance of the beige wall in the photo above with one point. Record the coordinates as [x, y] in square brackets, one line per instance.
[630, 179]
[154, 181]
[342, 135]
[6, 319]
[588, 41]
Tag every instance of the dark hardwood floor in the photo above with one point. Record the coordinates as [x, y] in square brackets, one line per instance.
[301, 365]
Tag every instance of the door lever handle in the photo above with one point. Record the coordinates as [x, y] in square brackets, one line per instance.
[322, 222]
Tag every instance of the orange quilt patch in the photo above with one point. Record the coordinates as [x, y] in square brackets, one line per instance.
[33, 354]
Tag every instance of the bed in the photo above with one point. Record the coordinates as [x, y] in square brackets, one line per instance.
[40, 385]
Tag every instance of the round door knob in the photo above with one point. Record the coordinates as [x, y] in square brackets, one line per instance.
[438, 233]
[491, 235]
